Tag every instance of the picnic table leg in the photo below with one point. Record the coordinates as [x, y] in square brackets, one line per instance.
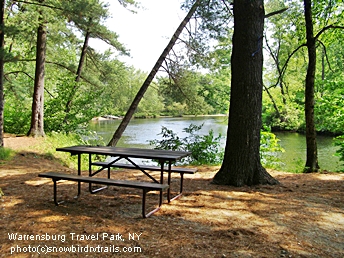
[169, 182]
[144, 215]
[162, 163]
[55, 192]
[181, 182]
[90, 175]
[79, 173]
[181, 187]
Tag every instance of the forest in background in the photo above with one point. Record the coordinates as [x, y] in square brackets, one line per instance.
[195, 78]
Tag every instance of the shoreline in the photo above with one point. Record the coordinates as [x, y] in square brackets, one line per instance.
[111, 117]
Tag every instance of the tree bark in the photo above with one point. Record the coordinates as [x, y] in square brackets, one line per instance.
[37, 116]
[2, 52]
[124, 123]
[78, 75]
[241, 164]
[312, 151]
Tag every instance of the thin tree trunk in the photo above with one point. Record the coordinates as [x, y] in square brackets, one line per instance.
[279, 70]
[274, 104]
[323, 55]
[312, 151]
[150, 77]
[241, 164]
[2, 52]
[83, 56]
[37, 116]
[78, 75]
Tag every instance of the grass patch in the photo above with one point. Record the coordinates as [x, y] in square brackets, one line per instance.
[57, 140]
[6, 153]
[46, 147]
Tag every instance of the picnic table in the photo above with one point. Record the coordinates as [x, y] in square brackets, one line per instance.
[165, 158]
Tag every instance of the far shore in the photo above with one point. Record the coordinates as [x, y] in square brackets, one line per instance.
[112, 117]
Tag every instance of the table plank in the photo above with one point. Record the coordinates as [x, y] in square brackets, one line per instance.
[127, 152]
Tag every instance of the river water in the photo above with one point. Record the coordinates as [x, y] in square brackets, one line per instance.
[140, 131]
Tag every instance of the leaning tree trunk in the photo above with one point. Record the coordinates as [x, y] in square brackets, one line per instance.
[124, 123]
[241, 164]
[312, 151]
[2, 52]
[37, 116]
[78, 75]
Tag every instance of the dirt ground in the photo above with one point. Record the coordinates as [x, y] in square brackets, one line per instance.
[302, 217]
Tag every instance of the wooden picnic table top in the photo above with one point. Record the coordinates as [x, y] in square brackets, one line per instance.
[127, 152]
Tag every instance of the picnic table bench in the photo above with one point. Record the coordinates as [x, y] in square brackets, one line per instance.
[180, 170]
[145, 186]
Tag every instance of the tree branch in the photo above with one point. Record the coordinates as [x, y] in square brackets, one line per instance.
[227, 7]
[72, 71]
[41, 4]
[327, 28]
[304, 44]
[325, 50]
[290, 56]
[274, 13]
[16, 72]
[28, 75]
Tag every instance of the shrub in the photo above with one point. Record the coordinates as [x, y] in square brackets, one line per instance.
[339, 141]
[206, 149]
[82, 137]
[269, 148]
[6, 153]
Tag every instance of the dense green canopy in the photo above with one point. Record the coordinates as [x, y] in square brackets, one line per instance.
[198, 78]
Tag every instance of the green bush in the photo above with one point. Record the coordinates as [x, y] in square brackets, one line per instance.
[339, 141]
[6, 153]
[269, 148]
[56, 140]
[206, 149]
[16, 116]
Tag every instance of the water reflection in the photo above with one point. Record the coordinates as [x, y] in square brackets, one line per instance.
[294, 157]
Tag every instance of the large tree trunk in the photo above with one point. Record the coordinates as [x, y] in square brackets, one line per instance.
[37, 116]
[2, 52]
[312, 151]
[124, 123]
[241, 164]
